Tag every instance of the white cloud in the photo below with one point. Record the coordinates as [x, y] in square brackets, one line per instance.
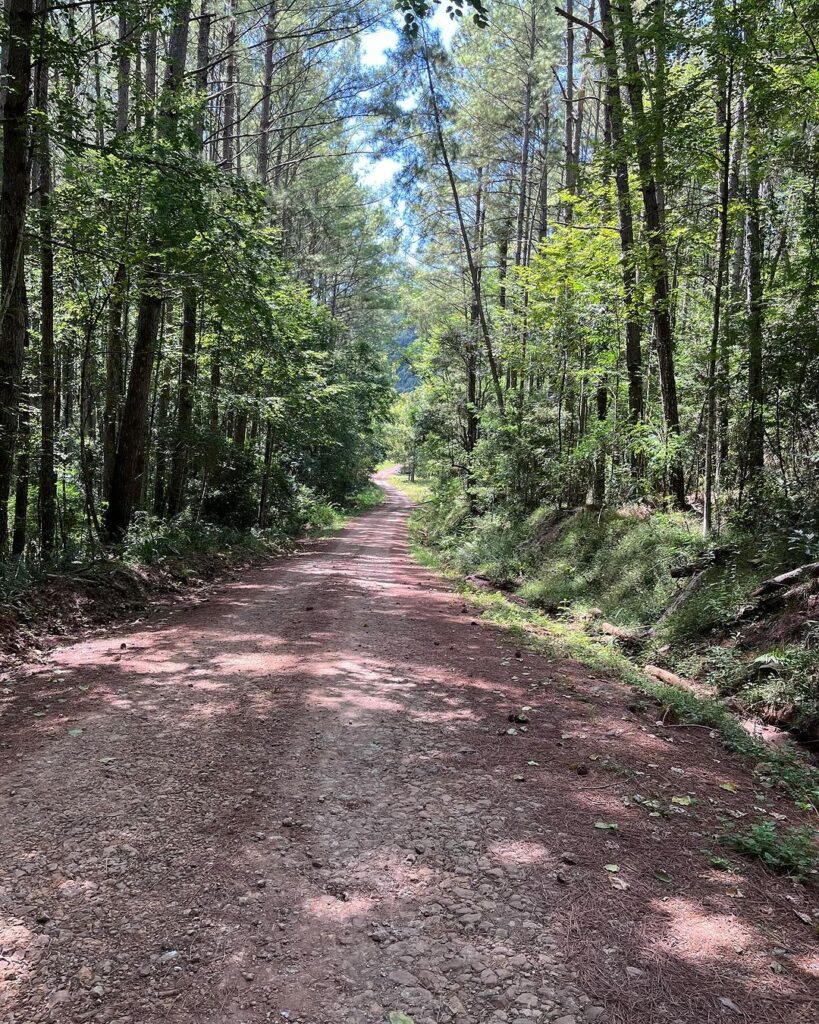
[446, 26]
[375, 173]
[374, 46]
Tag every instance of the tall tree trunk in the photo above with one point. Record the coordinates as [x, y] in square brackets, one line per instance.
[599, 486]
[123, 75]
[724, 111]
[229, 128]
[756, 392]
[634, 341]
[735, 298]
[126, 478]
[13, 205]
[47, 484]
[151, 77]
[18, 540]
[264, 496]
[655, 237]
[202, 64]
[162, 435]
[568, 143]
[187, 367]
[267, 86]
[184, 422]
[521, 229]
[114, 374]
[472, 267]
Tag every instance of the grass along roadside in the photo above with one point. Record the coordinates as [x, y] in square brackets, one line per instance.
[419, 489]
[540, 632]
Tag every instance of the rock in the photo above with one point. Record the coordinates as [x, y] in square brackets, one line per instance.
[404, 978]
[593, 1012]
[568, 1019]
[530, 999]
[488, 977]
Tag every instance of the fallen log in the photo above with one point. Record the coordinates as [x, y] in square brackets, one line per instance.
[786, 579]
[771, 600]
[673, 679]
[630, 640]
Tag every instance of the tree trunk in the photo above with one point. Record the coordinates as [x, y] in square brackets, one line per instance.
[472, 267]
[13, 204]
[184, 421]
[18, 541]
[658, 257]
[228, 148]
[756, 393]
[568, 143]
[634, 341]
[47, 484]
[724, 111]
[123, 75]
[521, 229]
[267, 85]
[114, 375]
[265, 489]
[599, 487]
[126, 478]
[160, 474]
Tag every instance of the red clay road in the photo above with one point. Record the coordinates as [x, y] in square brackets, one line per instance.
[299, 801]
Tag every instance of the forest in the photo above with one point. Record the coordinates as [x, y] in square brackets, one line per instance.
[195, 284]
[559, 261]
[615, 309]
[409, 511]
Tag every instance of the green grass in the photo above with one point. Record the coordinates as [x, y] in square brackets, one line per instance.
[618, 562]
[419, 490]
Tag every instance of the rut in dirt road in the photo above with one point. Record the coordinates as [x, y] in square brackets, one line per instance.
[301, 800]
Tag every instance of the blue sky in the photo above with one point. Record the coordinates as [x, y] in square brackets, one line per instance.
[374, 48]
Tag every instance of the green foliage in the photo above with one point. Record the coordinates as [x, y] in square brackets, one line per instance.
[618, 562]
[787, 851]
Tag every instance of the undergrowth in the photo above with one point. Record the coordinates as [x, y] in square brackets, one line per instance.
[788, 851]
[159, 542]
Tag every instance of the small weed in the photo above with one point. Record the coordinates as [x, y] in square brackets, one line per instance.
[792, 851]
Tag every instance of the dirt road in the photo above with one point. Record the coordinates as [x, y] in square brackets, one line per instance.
[301, 800]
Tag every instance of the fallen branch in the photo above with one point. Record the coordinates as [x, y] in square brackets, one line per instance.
[786, 579]
[673, 679]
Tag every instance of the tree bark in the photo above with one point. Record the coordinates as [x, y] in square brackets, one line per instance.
[655, 237]
[126, 478]
[472, 267]
[634, 340]
[756, 393]
[724, 110]
[47, 484]
[13, 205]
[267, 86]
[229, 126]
[23, 474]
